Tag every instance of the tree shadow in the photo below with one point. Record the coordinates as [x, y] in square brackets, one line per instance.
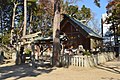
[113, 69]
[23, 70]
[107, 78]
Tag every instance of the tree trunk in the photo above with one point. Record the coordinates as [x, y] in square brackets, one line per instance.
[56, 31]
[25, 17]
[13, 19]
[12, 31]
[1, 17]
[30, 21]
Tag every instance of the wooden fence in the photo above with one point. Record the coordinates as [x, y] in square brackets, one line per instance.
[87, 61]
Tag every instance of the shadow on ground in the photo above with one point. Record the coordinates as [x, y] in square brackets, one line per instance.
[113, 69]
[107, 78]
[23, 70]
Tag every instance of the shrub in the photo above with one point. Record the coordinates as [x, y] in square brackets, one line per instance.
[86, 53]
[27, 51]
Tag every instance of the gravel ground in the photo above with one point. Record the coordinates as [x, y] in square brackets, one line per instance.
[107, 71]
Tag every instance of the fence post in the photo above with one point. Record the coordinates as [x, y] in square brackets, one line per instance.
[85, 61]
[79, 61]
[82, 61]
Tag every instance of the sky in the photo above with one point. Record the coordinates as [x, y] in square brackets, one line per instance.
[90, 4]
[96, 10]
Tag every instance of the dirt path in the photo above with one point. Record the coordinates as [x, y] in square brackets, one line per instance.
[108, 71]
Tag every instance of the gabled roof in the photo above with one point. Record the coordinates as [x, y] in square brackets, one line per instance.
[88, 30]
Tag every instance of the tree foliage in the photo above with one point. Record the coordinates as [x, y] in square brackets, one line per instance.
[42, 12]
[6, 38]
[83, 14]
[113, 10]
[71, 10]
